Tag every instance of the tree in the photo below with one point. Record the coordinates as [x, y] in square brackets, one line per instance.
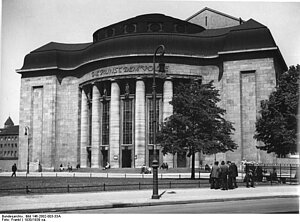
[197, 124]
[277, 125]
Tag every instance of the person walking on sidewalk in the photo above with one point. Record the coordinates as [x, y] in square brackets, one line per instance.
[224, 174]
[14, 170]
[214, 176]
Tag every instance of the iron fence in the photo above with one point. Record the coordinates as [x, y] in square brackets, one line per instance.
[269, 175]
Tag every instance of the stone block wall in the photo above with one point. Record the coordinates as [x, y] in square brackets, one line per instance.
[67, 123]
[37, 111]
[245, 84]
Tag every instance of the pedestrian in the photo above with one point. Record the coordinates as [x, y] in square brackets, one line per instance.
[230, 173]
[40, 167]
[224, 174]
[14, 170]
[234, 174]
[61, 168]
[250, 169]
[259, 173]
[214, 176]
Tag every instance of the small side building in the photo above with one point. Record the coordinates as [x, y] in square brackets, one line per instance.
[9, 145]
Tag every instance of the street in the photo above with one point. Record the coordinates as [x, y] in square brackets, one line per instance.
[261, 206]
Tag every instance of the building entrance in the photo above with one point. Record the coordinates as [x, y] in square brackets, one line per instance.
[181, 159]
[126, 158]
[89, 157]
[104, 157]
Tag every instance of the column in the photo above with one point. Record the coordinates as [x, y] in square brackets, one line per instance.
[140, 122]
[95, 127]
[84, 130]
[168, 111]
[114, 123]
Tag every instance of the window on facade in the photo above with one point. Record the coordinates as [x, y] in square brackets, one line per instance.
[16, 145]
[105, 123]
[151, 119]
[1, 145]
[127, 121]
[15, 153]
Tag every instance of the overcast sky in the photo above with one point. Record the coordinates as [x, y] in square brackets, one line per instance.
[29, 24]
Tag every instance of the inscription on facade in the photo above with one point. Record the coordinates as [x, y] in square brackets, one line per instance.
[125, 69]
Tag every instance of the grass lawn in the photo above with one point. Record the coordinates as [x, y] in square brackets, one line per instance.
[38, 185]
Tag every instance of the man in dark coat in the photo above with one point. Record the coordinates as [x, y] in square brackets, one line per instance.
[14, 170]
[224, 174]
[214, 176]
[233, 173]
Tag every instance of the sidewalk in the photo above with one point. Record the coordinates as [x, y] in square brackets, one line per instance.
[99, 200]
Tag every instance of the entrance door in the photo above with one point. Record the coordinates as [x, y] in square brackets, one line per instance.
[181, 160]
[126, 158]
[104, 157]
[89, 157]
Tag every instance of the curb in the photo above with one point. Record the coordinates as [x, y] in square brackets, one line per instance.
[145, 204]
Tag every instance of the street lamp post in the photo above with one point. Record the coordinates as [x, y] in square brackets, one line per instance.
[155, 161]
[27, 134]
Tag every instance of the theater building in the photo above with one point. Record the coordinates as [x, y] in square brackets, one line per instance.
[91, 103]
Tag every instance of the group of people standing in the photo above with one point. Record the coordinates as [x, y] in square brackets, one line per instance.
[224, 176]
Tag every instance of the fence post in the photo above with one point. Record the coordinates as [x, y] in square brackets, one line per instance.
[90, 174]
[280, 171]
[56, 174]
[125, 175]
[107, 175]
[161, 176]
[73, 174]
[103, 186]
[139, 185]
[27, 189]
[68, 188]
[41, 174]
[199, 174]
[179, 176]
[290, 173]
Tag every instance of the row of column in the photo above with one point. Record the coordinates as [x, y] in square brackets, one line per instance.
[114, 124]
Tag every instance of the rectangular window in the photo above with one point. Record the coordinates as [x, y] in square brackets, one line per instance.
[105, 123]
[127, 121]
[151, 119]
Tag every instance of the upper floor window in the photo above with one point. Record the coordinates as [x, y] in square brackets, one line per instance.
[151, 118]
[105, 123]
